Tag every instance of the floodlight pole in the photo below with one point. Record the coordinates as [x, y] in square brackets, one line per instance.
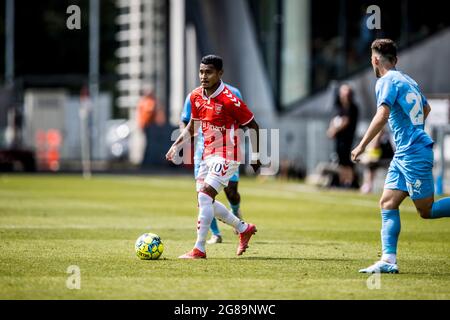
[85, 107]
[94, 35]
[94, 30]
[9, 43]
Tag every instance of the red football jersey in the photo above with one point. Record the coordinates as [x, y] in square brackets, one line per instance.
[221, 114]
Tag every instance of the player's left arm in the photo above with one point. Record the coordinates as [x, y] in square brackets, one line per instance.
[254, 140]
[245, 118]
[426, 111]
[378, 122]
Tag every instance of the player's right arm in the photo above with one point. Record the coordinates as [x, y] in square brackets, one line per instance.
[188, 132]
[183, 138]
[426, 111]
[386, 93]
[376, 125]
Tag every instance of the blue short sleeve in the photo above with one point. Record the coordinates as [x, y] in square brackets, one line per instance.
[186, 114]
[386, 92]
[237, 93]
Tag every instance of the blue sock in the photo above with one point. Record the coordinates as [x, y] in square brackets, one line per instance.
[390, 230]
[441, 208]
[214, 227]
[235, 208]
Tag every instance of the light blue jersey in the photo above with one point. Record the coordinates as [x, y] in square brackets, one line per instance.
[412, 165]
[402, 94]
[186, 117]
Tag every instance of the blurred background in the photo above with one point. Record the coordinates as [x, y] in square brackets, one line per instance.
[104, 92]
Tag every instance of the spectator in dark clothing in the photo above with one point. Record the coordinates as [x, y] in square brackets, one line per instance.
[379, 153]
[342, 129]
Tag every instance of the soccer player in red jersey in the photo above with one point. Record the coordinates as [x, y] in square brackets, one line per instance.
[220, 113]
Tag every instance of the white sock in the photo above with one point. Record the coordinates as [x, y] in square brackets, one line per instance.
[223, 214]
[205, 216]
[389, 257]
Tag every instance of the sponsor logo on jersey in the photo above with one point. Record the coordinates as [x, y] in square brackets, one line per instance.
[207, 106]
[208, 126]
[216, 128]
[218, 108]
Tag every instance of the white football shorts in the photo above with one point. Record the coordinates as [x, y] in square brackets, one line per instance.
[216, 172]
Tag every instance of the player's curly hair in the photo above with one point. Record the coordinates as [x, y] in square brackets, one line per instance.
[386, 48]
[213, 59]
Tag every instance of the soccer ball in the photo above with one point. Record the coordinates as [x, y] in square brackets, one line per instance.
[149, 246]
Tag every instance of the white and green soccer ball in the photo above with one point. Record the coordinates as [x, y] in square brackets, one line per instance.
[149, 246]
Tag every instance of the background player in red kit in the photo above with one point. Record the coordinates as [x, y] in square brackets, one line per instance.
[220, 113]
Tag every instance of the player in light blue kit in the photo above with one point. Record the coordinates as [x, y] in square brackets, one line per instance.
[233, 196]
[401, 103]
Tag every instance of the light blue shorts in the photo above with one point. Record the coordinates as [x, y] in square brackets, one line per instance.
[412, 173]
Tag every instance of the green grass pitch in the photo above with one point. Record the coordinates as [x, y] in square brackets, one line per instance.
[310, 243]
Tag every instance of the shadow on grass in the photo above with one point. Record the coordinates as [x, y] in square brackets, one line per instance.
[270, 258]
[287, 243]
[423, 274]
[298, 259]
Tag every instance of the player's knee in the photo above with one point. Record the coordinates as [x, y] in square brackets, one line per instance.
[425, 213]
[424, 207]
[209, 190]
[387, 204]
[204, 199]
[232, 195]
